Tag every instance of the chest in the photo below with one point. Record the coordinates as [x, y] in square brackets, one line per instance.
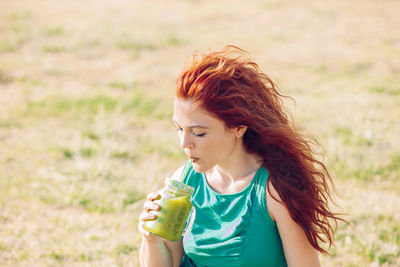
[228, 186]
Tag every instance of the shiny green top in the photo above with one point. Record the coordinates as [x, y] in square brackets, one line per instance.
[232, 229]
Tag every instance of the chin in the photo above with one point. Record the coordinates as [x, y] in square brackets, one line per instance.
[198, 168]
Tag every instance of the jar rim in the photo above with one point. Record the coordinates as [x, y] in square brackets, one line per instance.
[180, 185]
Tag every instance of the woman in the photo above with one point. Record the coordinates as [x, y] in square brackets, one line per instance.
[261, 195]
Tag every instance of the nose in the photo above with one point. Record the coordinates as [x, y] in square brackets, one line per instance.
[186, 141]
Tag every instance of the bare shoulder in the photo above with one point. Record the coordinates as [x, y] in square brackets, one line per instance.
[274, 202]
[298, 250]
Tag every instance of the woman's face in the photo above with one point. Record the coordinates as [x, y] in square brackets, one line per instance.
[203, 137]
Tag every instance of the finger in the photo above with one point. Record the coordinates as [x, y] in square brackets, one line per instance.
[142, 230]
[147, 216]
[149, 205]
[152, 196]
[146, 206]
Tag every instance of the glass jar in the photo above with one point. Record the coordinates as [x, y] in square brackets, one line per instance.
[175, 207]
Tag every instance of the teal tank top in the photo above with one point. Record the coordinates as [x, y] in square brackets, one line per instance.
[231, 229]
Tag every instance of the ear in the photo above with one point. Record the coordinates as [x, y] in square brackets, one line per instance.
[240, 130]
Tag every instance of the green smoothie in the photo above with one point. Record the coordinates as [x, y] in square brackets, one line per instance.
[171, 218]
[175, 207]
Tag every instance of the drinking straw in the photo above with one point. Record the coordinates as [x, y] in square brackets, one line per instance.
[186, 169]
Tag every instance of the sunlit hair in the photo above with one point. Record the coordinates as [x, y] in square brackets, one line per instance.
[229, 85]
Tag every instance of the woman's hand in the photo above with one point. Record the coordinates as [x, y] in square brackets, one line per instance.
[148, 206]
[156, 251]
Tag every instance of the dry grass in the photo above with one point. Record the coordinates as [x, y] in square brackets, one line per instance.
[85, 106]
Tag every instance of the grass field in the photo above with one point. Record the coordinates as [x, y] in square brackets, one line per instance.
[85, 106]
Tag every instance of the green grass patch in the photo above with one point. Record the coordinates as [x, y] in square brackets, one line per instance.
[87, 152]
[122, 85]
[381, 249]
[357, 166]
[389, 171]
[23, 255]
[385, 89]
[131, 197]
[165, 148]
[85, 257]
[125, 249]
[67, 153]
[6, 123]
[20, 16]
[136, 45]
[17, 34]
[49, 199]
[322, 68]
[139, 104]
[54, 31]
[94, 193]
[174, 40]
[121, 154]
[91, 135]
[12, 43]
[102, 203]
[345, 133]
[350, 137]
[53, 48]
[30, 81]
[367, 171]
[3, 247]
[57, 256]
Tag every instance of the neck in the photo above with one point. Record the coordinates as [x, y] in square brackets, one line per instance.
[239, 166]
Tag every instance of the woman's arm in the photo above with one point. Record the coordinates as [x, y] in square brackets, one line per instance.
[158, 252]
[175, 249]
[154, 250]
[298, 251]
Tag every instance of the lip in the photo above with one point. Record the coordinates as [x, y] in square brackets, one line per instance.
[194, 159]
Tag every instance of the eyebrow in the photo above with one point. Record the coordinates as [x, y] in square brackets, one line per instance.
[193, 126]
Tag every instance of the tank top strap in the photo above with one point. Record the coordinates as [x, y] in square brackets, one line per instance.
[260, 184]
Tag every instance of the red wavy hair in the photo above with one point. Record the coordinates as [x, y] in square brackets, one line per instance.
[229, 85]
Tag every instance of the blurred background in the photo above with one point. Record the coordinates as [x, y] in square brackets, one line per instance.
[86, 89]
